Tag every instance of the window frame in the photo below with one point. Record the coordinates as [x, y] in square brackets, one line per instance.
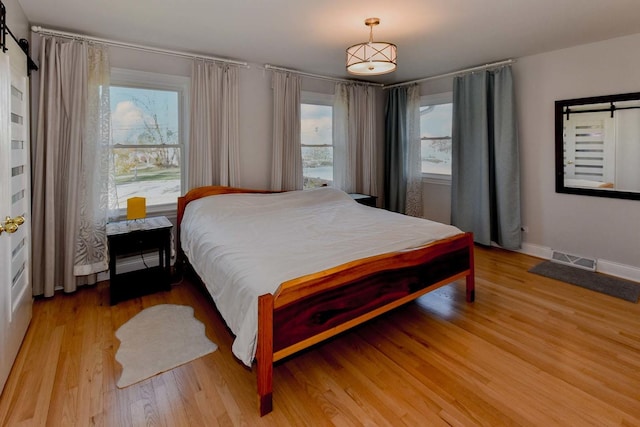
[324, 99]
[425, 101]
[122, 77]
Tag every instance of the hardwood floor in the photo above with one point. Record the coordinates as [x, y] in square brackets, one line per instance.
[529, 351]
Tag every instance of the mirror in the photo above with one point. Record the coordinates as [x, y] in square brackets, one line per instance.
[598, 146]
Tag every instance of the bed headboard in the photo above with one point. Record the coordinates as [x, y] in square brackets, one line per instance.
[198, 193]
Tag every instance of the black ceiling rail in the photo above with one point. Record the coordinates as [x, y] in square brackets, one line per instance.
[611, 109]
[23, 43]
[3, 25]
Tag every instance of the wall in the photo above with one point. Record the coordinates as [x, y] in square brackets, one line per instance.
[255, 105]
[255, 100]
[601, 228]
[16, 19]
[606, 229]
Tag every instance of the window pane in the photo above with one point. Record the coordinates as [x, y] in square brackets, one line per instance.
[143, 116]
[317, 130]
[317, 166]
[153, 173]
[435, 133]
[146, 117]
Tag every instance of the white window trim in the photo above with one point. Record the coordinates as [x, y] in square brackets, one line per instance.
[436, 99]
[317, 98]
[181, 84]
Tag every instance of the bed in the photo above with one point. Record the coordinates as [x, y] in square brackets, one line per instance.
[575, 182]
[289, 270]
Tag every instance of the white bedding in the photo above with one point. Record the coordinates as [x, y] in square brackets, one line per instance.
[245, 245]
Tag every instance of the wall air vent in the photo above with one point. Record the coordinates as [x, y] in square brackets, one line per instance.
[573, 260]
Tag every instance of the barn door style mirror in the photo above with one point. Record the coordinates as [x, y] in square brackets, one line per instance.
[598, 146]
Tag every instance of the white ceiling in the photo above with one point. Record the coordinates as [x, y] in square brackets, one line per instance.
[433, 36]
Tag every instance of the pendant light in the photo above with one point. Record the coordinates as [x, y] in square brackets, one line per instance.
[371, 58]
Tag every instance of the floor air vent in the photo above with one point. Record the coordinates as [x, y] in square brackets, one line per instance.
[574, 260]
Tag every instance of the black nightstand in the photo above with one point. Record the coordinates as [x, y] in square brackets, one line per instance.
[364, 199]
[128, 238]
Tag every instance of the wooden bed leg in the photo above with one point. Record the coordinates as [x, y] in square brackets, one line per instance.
[471, 291]
[264, 353]
[471, 278]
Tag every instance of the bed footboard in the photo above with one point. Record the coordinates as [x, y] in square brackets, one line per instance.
[310, 309]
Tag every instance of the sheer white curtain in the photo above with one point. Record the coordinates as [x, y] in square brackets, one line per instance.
[286, 172]
[71, 165]
[355, 160]
[344, 175]
[414, 156]
[214, 153]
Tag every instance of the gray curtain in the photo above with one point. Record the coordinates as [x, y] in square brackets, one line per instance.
[485, 186]
[286, 173]
[395, 138]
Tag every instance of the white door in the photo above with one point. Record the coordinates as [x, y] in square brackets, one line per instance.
[589, 147]
[15, 209]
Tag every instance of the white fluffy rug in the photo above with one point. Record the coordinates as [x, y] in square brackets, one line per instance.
[158, 339]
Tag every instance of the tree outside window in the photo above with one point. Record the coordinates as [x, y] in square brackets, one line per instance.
[435, 134]
[146, 144]
[316, 126]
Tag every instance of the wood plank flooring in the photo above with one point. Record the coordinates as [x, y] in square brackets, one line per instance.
[530, 351]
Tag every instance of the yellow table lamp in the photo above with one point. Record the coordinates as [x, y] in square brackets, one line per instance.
[136, 208]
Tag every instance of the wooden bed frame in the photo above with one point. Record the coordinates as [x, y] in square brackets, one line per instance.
[309, 309]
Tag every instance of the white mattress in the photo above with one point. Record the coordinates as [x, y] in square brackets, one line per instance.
[245, 245]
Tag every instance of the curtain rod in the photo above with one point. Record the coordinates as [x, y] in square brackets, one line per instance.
[320, 77]
[454, 73]
[50, 32]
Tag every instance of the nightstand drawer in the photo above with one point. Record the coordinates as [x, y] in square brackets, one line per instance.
[137, 241]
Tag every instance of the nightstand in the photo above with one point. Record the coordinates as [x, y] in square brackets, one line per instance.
[364, 199]
[130, 238]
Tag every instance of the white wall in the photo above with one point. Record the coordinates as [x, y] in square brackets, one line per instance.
[602, 228]
[256, 104]
[607, 229]
[16, 19]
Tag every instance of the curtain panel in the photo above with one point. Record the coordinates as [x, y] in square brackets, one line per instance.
[362, 132]
[343, 153]
[485, 183]
[214, 142]
[413, 161]
[354, 130]
[286, 172]
[70, 173]
[403, 164]
[395, 140]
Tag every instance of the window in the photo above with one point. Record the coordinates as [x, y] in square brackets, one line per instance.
[316, 117]
[148, 135]
[435, 134]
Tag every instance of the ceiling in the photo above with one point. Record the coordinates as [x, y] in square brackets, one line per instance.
[433, 36]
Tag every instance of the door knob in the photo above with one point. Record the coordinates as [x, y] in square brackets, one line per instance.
[11, 225]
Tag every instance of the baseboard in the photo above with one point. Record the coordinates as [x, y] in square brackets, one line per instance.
[536, 250]
[619, 270]
[603, 266]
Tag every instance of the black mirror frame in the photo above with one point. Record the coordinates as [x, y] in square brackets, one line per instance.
[559, 117]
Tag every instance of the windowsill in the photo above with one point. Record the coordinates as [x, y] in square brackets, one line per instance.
[436, 178]
[169, 210]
